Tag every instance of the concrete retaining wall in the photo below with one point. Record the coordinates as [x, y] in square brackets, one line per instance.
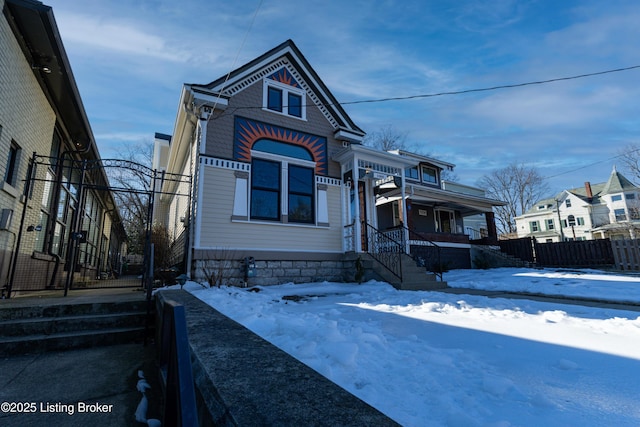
[243, 380]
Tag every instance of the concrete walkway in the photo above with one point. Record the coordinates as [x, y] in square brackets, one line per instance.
[85, 387]
[55, 384]
[56, 387]
[557, 299]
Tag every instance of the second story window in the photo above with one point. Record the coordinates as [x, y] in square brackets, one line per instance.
[620, 215]
[274, 99]
[412, 173]
[429, 175]
[284, 99]
[567, 203]
[294, 106]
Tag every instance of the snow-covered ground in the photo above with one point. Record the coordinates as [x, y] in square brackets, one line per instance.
[439, 359]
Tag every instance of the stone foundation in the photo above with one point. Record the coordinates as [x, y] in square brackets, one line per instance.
[273, 272]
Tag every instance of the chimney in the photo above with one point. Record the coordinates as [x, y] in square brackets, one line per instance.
[587, 187]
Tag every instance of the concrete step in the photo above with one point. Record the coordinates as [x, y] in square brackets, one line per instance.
[14, 346]
[36, 327]
[54, 325]
[27, 311]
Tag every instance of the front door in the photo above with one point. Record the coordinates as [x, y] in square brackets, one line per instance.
[445, 221]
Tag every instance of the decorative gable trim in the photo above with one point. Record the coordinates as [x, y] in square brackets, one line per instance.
[284, 76]
[248, 132]
[288, 56]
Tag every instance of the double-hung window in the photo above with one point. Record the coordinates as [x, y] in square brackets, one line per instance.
[265, 189]
[282, 183]
[300, 194]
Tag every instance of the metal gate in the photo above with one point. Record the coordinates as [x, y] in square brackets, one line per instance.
[88, 224]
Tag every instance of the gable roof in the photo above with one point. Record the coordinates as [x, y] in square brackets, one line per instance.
[297, 68]
[617, 183]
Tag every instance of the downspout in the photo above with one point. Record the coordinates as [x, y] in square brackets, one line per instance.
[194, 168]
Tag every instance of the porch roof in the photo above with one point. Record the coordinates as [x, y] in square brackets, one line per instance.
[466, 203]
[372, 154]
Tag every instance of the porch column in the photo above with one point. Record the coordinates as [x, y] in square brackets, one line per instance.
[405, 229]
[491, 224]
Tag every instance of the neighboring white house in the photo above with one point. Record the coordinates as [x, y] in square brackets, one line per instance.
[596, 211]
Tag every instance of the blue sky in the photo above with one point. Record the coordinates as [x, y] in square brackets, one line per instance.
[130, 60]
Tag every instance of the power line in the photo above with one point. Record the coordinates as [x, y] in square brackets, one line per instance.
[593, 164]
[486, 89]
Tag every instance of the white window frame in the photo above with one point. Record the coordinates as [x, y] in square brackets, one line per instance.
[422, 169]
[286, 90]
[284, 185]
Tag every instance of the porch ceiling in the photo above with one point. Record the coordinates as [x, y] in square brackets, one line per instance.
[434, 197]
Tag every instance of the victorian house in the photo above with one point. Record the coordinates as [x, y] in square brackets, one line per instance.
[284, 190]
[609, 209]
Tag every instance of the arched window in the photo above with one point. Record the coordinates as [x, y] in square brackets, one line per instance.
[282, 149]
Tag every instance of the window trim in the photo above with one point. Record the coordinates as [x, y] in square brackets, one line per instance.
[435, 175]
[534, 226]
[286, 91]
[284, 162]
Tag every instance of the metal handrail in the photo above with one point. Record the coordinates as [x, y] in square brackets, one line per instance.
[385, 250]
[434, 267]
[175, 368]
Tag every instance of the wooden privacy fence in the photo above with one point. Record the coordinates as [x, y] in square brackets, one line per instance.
[626, 254]
[520, 248]
[580, 253]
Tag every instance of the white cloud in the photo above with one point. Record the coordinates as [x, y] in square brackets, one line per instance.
[116, 37]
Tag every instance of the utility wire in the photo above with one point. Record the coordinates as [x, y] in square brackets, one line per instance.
[486, 89]
[593, 164]
[235, 60]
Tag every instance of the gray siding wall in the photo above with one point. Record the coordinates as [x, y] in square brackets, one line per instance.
[220, 130]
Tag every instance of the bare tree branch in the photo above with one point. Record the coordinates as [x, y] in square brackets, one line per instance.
[517, 185]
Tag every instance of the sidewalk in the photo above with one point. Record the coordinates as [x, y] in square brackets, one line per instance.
[557, 299]
[66, 386]
[84, 387]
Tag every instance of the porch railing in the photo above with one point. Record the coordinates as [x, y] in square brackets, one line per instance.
[426, 253]
[384, 249]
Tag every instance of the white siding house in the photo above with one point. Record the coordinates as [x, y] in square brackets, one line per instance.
[607, 210]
